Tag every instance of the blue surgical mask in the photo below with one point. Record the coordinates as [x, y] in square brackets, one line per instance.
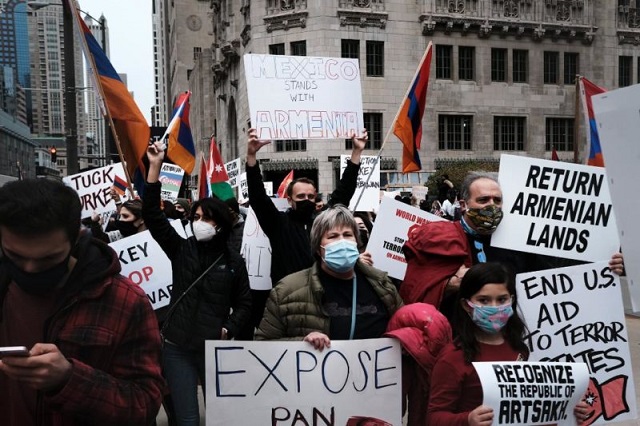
[341, 256]
[491, 319]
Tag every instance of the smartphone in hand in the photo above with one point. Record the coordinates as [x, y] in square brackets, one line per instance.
[17, 351]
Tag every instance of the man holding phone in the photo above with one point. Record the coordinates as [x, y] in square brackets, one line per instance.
[92, 338]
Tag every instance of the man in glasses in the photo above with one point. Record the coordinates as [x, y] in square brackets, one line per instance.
[440, 253]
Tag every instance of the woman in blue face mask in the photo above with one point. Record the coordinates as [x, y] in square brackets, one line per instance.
[339, 297]
[488, 328]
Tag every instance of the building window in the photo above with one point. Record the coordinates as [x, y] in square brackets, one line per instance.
[197, 52]
[444, 62]
[373, 124]
[520, 66]
[571, 67]
[498, 64]
[375, 58]
[559, 134]
[551, 67]
[350, 49]
[291, 145]
[299, 48]
[466, 62]
[509, 133]
[625, 71]
[454, 132]
[276, 49]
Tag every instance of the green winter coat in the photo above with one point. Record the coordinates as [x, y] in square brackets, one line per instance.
[294, 308]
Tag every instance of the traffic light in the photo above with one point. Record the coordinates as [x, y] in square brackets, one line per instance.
[54, 154]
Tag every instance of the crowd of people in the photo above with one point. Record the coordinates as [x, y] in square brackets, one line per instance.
[98, 354]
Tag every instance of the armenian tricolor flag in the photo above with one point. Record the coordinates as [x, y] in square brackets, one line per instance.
[180, 148]
[408, 124]
[130, 128]
[587, 90]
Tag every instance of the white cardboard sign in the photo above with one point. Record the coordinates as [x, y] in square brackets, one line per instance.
[576, 314]
[618, 118]
[369, 169]
[171, 179]
[233, 171]
[145, 264]
[296, 97]
[94, 188]
[532, 393]
[390, 231]
[287, 383]
[556, 208]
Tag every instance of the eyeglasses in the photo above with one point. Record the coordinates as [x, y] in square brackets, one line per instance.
[482, 257]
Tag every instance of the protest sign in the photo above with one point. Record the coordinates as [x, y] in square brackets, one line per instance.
[294, 97]
[233, 171]
[171, 179]
[532, 393]
[368, 183]
[145, 264]
[555, 208]
[287, 383]
[618, 126]
[268, 188]
[94, 188]
[390, 231]
[243, 189]
[256, 249]
[575, 314]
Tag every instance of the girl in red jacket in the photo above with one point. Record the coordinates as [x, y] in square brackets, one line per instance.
[488, 328]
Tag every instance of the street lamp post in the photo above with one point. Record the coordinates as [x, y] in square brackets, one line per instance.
[70, 108]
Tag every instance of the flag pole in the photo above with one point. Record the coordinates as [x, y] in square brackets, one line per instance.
[100, 93]
[576, 126]
[393, 123]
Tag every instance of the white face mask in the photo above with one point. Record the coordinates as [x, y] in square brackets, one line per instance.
[203, 231]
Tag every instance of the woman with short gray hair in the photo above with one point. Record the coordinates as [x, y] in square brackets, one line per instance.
[339, 297]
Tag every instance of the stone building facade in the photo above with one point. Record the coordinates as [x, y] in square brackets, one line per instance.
[502, 78]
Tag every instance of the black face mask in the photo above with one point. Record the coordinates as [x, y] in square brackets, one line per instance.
[127, 229]
[37, 283]
[304, 209]
[364, 238]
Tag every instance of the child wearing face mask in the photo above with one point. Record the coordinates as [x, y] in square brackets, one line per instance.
[488, 328]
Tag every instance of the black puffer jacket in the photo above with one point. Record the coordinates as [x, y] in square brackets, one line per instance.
[206, 308]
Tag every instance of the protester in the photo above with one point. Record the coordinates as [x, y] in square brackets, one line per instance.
[439, 253]
[237, 225]
[94, 345]
[451, 206]
[288, 232]
[319, 203]
[339, 297]
[436, 208]
[210, 299]
[444, 186]
[183, 207]
[128, 223]
[488, 328]
[423, 332]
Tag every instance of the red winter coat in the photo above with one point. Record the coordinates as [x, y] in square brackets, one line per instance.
[423, 332]
[434, 252]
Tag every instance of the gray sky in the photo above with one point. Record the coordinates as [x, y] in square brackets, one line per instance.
[131, 49]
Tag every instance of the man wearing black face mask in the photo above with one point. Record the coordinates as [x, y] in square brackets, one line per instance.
[93, 341]
[440, 253]
[288, 232]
